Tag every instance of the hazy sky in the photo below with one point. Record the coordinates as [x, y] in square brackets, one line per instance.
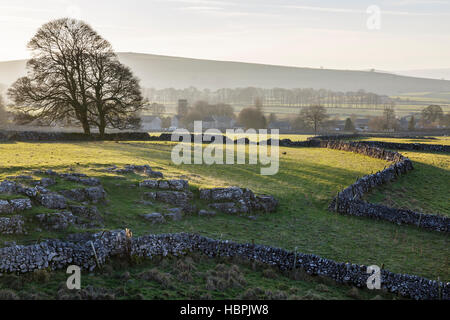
[412, 34]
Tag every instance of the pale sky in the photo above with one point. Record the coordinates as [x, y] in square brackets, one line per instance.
[412, 34]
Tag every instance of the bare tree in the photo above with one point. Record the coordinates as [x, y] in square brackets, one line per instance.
[412, 123]
[272, 118]
[446, 120]
[74, 74]
[166, 122]
[432, 113]
[389, 119]
[258, 103]
[115, 95]
[314, 115]
[349, 125]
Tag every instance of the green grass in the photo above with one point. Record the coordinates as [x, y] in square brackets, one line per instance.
[307, 180]
[425, 189]
[191, 277]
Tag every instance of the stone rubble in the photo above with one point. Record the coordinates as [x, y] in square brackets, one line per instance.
[52, 201]
[154, 217]
[87, 217]
[176, 185]
[235, 200]
[57, 221]
[14, 205]
[82, 216]
[94, 194]
[130, 168]
[175, 214]
[12, 225]
[207, 213]
[177, 198]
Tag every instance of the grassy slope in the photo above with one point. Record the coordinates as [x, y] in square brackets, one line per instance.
[425, 189]
[191, 277]
[307, 180]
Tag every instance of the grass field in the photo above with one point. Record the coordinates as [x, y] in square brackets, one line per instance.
[307, 180]
[191, 277]
[425, 189]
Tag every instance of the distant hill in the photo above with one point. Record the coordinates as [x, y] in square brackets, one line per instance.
[160, 72]
[10, 71]
[443, 73]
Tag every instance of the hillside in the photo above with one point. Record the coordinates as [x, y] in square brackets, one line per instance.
[164, 72]
[443, 73]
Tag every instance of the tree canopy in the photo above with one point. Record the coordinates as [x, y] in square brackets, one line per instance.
[252, 118]
[202, 109]
[349, 125]
[74, 74]
[432, 113]
[314, 116]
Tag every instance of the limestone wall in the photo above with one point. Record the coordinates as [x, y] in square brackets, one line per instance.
[58, 254]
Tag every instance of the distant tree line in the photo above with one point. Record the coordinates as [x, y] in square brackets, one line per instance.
[270, 97]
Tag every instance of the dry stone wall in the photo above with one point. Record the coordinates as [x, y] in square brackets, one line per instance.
[399, 216]
[349, 201]
[143, 136]
[65, 136]
[388, 145]
[56, 254]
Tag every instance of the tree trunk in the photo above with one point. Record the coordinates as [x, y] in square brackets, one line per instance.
[101, 129]
[86, 127]
[102, 126]
[84, 123]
